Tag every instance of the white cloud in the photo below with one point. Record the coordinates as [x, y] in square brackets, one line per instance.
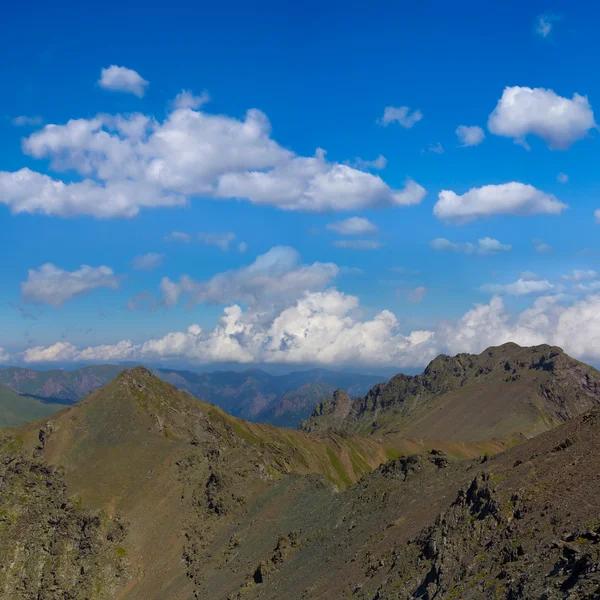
[352, 226]
[470, 135]
[562, 178]
[358, 244]
[178, 236]
[545, 23]
[435, 148]
[24, 121]
[522, 287]
[142, 301]
[4, 355]
[122, 79]
[378, 163]
[129, 162]
[220, 240]
[542, 247]
[315, 184]
[400, 115]
[148, 262]
[597, 215]
[586, 288]
[559, 121]
[505, 199]
[242, 247]
[483, 246]
[326, 328]
[186, 99]
[543, 26]
[417, 294]
[528, 275]
[274, 278]
[51, 285]
[27, 191]
[580, 275]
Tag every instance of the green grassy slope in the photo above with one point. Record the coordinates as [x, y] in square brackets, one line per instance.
[17, 409]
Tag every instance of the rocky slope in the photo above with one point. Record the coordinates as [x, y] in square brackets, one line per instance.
[293, 406]
[177, 471]
[507, 393]
[143, 492]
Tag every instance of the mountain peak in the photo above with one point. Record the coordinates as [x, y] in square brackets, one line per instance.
[503, 392]
[329, 414]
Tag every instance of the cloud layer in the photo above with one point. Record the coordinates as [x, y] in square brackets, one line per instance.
[130, 162]
[52, 285]
[483, 246]
[273, 279]
[327, 328]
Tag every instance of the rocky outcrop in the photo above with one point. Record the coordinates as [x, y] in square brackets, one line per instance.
[546, 386]
[329, 414]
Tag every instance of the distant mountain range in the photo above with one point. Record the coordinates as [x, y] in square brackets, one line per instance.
[476, 480]
[253, 394]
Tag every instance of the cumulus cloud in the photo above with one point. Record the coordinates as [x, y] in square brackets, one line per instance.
[147, 262]
[122, 79]
[27, 191]
[315, 184]
[274, 278]
[358, 244]
[178, 236]
[400, 115]
[483, 246]
[580, 275]
[51, 285]
[186, 99]
[378, 163]
[524, 286]
[4, 355]
[562, 178]
[130, 162]
[505, 199]
[352, 226]
[559, 121]
[24, 121]
[470, 135]
[327, 328]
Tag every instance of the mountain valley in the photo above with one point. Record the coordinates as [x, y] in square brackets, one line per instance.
[141, 491]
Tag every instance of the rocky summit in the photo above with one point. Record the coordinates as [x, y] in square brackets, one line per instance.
[142, 491]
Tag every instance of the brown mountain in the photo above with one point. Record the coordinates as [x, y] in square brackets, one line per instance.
[507, 393]
[125, 494]
[141, 491]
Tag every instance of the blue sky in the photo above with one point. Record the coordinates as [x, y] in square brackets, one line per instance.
[322, 74]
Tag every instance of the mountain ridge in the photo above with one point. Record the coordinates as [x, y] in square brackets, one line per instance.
[506, 391]
[142, 492]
